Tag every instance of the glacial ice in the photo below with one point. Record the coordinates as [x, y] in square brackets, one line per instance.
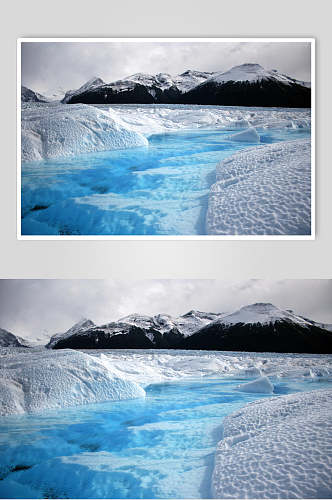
[277, 448]
[264, 190]
[155, 119]
[248, 135]
[35, 380]
[163, 446]
[261, 385]
[52, 131]
[142, 200]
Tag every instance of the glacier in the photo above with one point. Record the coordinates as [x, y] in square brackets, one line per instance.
[36, 379]
[165, 445]
[52, 131]
[40, 380]
[157, 175]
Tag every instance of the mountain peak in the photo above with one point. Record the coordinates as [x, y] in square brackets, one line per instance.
[263, 313]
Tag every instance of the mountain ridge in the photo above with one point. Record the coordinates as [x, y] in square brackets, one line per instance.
[259, 327]
[248, 84]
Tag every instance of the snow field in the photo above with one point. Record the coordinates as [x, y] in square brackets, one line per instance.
[277, 448]
[263, 190]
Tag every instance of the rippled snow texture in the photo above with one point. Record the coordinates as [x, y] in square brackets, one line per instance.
[277, 448]
[264, 190]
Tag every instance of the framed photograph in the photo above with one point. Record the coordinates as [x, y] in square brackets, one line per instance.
[165, 389]
[166, 138]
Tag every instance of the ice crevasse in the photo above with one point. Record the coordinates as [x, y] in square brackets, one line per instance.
[59, 379]
[63, 131]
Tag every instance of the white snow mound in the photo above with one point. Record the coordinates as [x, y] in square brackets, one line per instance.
[277, 448]
[41, 380]
[58, 130]
[265, 190]
[260, 385]
[249, 135]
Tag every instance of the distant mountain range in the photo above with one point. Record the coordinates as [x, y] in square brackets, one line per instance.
[244, 85]
[259, 327]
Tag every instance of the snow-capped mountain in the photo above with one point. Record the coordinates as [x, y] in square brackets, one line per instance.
[28, 95]
[90, 84]
[251, 85]
[257, 327]
[138, 88]
[185, 324]
[247, 85]
[81, 325]
[262, 327]
[8, 339]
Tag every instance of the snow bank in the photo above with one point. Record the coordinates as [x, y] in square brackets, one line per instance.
[263, 190]
[42, 379]
[51, 131]
[277, 448]
[261, 385]
[249, 135]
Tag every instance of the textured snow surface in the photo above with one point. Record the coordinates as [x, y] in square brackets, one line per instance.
[147, 367]
[261, 385]
[37, 380]
[263, 313]
[154, 119]
[51, 131]
[277, 448]
[263, 191]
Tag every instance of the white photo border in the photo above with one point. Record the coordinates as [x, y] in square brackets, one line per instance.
[312, 236]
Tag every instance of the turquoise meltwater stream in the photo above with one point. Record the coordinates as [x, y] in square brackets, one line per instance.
[161, 189]
[159, 447]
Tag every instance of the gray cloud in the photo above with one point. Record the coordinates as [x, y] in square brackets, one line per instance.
[47, 65]
[29, 307]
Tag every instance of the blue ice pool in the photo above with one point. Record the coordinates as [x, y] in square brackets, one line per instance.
[159, 447]
[161, 189]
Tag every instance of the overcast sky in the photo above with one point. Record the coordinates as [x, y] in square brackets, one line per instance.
[30, 307]
[50, 65]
